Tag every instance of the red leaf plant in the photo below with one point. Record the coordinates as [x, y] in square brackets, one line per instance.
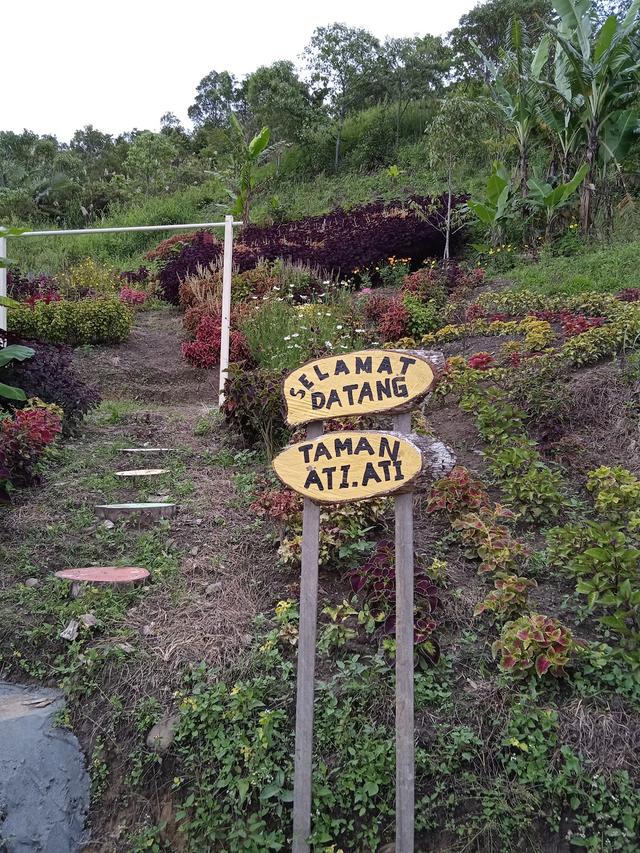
[481, 361]
[538, 642]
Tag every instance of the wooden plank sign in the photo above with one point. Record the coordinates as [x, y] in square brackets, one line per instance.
[356, 383]
[346, 466]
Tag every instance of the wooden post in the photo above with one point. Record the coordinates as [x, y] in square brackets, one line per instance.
[306, 668]
[227, 269]
[405, 749]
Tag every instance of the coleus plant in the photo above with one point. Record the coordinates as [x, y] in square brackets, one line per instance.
[509, 597]
[536, 642]
[456, 493]
[481, 361]
[488, 539]
[426, 648]
[376, 578]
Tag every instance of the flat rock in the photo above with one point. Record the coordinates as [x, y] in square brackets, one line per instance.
[143, 472]
[105, 575]
[163, 733]
[44, 786]
[152, 510]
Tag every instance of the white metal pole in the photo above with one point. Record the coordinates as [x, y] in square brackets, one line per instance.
[3, 284]
[226, 303]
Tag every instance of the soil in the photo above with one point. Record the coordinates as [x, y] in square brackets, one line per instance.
[149, 366]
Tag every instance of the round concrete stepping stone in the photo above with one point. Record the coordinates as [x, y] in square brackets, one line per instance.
[105, 575]
[146, 449]
[114, 512]
[143, 472]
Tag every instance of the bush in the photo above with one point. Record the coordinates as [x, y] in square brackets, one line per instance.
[536, 641]
[23, 440]
[423, 317]
[30, 288]
[88, 321]
[88, 278]
[254, 407]
[51, 377]
[282, 336]
[457, 493]
[342, 241]
[133, 297]
[395, 322]
[204, 352]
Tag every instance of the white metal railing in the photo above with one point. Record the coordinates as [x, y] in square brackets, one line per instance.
[227, 266]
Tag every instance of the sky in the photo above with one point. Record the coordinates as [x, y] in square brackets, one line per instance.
[120, 64]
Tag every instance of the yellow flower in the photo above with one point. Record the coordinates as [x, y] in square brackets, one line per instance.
[235, 690]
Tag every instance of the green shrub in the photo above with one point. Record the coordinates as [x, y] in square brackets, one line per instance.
[617, 491]
[423, 317]
[254, 407]
[88, 321]
[88, 278]
[620, 335]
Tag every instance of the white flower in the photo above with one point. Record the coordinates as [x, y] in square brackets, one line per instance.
[326, 282]
[328, 344]
[359, 331]
[275, 287]
[287, 337]
[339, 328]
[295, 335]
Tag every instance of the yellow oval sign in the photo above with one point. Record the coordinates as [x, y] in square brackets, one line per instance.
[340, 467]
[357, 383]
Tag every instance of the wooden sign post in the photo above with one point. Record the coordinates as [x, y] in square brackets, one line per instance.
[341, 467]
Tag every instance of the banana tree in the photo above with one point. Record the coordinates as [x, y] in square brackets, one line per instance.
[7, 355]
[558, 110]
[602, 72]
[246, 157]
[542, 196]
[497, 207]
[518, 98]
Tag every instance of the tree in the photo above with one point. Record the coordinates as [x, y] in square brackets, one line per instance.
[600, 85]
[149, 157]
[516, 93]
[451, 137]
[345, 63]
[215, 99]
[278, 98]
[416, 68]
[244, 161]
[487, 25]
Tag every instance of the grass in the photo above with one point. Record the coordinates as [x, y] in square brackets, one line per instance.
[600, 270]
[126, 251]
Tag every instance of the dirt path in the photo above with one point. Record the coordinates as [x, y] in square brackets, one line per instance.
[211, 569]
[149, 366]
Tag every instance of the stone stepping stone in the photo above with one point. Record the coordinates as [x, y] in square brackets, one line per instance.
[146, 449]
[115, 512]
[143, 472]
[113, 575]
